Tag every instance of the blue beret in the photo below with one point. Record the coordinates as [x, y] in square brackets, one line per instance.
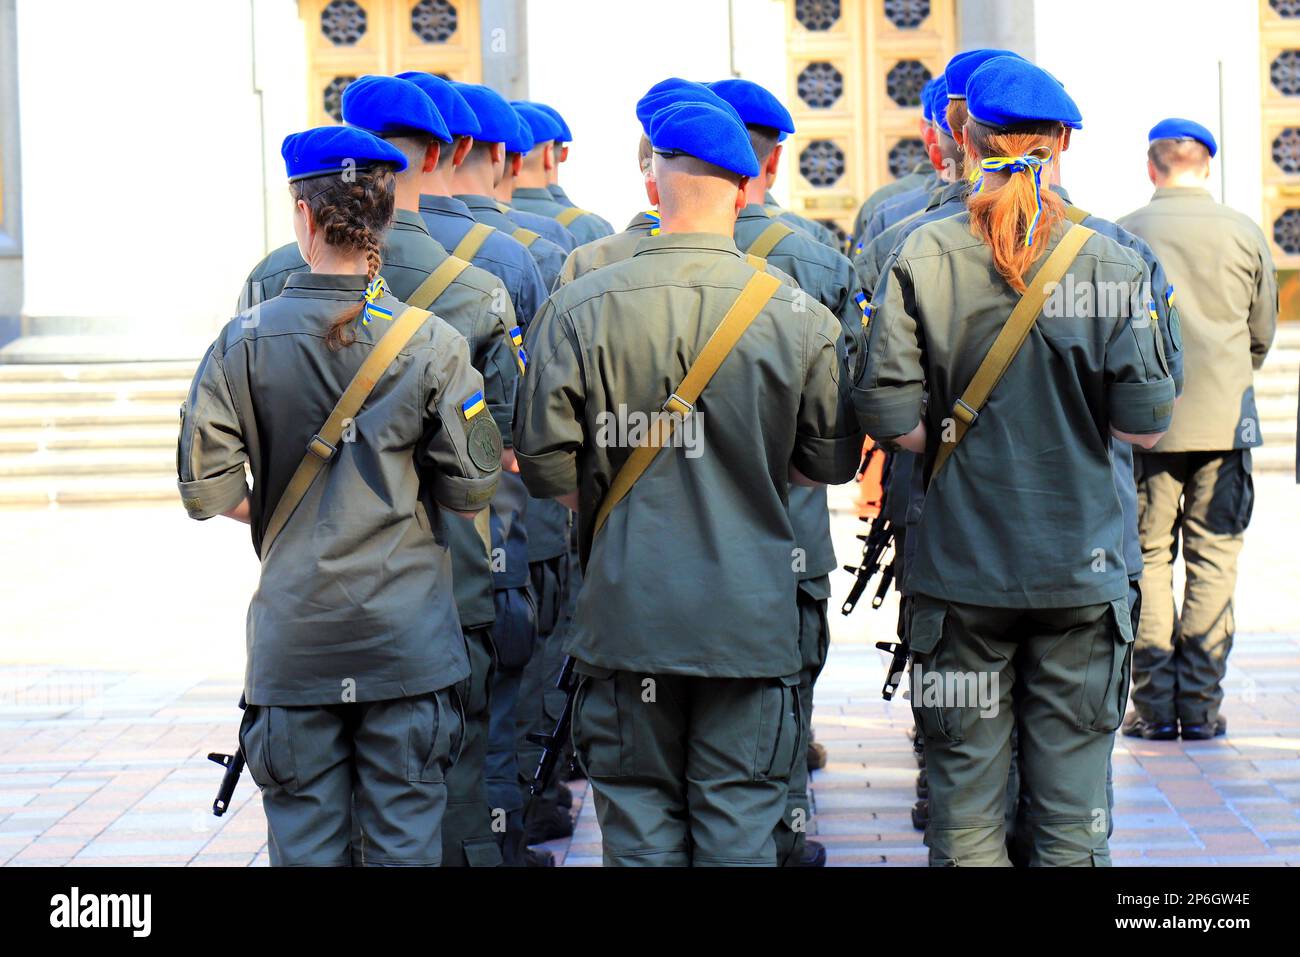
[524, 139]
[1009, 91]
[960, 67]
[566, 135]
[756, 106]
[333, 149]
[450, 104]
[705, 132]
[682, 91]
[544, 128]
[1179, 129]
[927, 102]
[497, 121]
[387, 106]
[940, 104]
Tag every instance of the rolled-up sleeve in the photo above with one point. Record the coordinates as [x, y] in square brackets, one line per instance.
[548, 424]
[1139, 390]
[828, 441]
[889, 392]
[461, 447]
[210, 452]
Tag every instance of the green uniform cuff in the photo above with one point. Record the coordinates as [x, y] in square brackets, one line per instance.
[204, 498]
[833, 460]
[548, 474]
[464, 494]
[1141, 407]
[889, 411]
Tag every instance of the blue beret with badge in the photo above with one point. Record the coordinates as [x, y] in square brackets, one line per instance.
[566, 135]
[496, 119]
[1010, 91]
[544, 127]
[387, 106]
[524, 139]
[959, 68]
[335, 149]
[683, 91]
[705, 132]
[447, 101]
[1176, 128]
[756, 106]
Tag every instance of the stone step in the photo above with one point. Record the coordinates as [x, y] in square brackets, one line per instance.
[64, 440]
[1274, 457]
[27, 493]
[90, 462]
[30, 416]
[96, 372]
[147, 390]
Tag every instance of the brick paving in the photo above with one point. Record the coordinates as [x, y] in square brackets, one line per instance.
[116, 680]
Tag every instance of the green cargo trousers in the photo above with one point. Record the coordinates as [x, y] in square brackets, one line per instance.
[1203, 501]
[687, 771]
[468, 838]
[814, 639]
[1060, 677]
[384, 761]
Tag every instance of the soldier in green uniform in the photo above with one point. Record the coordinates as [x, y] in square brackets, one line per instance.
[537, 169]
[1019, 613]
[828, 277]
[361, 421]
[1195, 488]
[687, 719]
[563, 137]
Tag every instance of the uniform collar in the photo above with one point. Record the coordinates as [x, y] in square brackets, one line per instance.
[949, 193]
[645, 220]
[753, 211]
[319, 285]
[1061, 192]
[406, 219]
[687, 242]
[1182, 192]
[769, 199]
[475, 201]
[533, 192]
[444, 205]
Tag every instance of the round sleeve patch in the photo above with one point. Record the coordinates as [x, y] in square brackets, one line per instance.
[484, 442]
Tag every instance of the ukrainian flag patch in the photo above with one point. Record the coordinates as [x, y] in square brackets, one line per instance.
[1169, 297]
[473, 406]
[516, 336]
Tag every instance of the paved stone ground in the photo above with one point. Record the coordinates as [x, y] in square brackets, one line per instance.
[122, 649]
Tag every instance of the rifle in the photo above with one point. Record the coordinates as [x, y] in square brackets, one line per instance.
[553, 744]
[875, 544]
[234, 765]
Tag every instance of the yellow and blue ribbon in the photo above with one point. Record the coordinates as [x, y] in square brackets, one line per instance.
[1169, 297]
[517, 340]
[370, 310]
[653, 216]
[1028, 163]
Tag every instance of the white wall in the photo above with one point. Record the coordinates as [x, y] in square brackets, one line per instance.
[142, 179]
[593, 59]
[1129, 65]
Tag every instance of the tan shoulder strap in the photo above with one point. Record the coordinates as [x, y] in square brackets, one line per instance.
[772, 234]
[756, 262]
[758, 290]
[525, 236]
[1076, 215]
[1009, 340]
[324, 444]
[436, 283]
[569, 214]
[472, 241]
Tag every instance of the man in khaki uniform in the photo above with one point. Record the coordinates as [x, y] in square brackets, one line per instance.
[687, 718]
[1195, 487]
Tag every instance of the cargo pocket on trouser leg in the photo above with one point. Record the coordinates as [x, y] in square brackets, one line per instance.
[268, 747]
[1104, 688]
[780, 730]
[515, 630]
[596, 726]
[931, 655]
[434, 737]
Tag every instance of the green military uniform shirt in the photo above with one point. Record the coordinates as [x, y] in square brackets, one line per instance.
[619, 341]
[547, 255]
[534, 199]
[560, 196]
[920, 173]
[542, 225]
[609, 249]
[818, 231]
[1222, 276]
[355, 598]
[1025, 514]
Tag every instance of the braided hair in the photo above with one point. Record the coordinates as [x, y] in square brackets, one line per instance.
[352, 211]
